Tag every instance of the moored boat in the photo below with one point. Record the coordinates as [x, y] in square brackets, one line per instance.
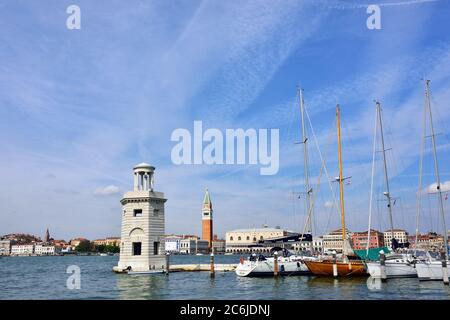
[344, 269]
[259, 266]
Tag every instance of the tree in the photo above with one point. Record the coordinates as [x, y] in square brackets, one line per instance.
[83, 246]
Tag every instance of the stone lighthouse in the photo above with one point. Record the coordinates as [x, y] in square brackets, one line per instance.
[142, 224]
[207, 219]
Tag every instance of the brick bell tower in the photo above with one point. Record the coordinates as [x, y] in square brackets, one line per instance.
[207, 219]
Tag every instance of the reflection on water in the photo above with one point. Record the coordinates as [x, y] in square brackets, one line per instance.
[45, 278]
[140, 286]
[373, 283]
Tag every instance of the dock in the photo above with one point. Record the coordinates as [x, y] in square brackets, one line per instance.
[202, 267]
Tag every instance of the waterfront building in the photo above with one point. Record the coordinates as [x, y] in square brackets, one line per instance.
[43, 249]
[332, 241]
[317, 244]
[194, 246]
[207, 219]
[75, 242]
[303, 246]
[399, 234]
[218, 246]
[110, 241]
[22, 249]
[359, 240]
[172, 244]
[429, 241]
[243, 240]
[5, 247]
[60, 243]
[143, 221]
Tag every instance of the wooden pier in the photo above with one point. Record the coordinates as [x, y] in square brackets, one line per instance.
[202, 267]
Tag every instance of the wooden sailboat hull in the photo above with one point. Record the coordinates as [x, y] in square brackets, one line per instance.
[325, 268]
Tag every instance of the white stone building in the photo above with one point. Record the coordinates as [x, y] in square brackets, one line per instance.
[172, 244]
[194, 246]
[143, 221]
[317, 244]
[332, 241]
[399, 234]
[22, 249]
[46, 250]
[5, 247]
[242, 240]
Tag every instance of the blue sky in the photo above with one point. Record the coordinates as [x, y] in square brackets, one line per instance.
[79, 108]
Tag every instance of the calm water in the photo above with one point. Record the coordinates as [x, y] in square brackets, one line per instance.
[45, 278]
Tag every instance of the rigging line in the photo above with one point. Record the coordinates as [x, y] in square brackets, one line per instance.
[371, 181]
[419, 191]
[429, 212]
[330, 137]
[314, 194]
[318, 187]
[352, 142]
[438, 119]
[322, 160]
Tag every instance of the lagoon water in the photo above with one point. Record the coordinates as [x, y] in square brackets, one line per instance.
[46, 277]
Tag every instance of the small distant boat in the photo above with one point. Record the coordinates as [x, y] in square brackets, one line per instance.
[199, 254]
[103, 254]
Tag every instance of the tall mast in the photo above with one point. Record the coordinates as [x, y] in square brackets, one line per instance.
[436, 167]
[386, 178]
[341, 180]
[305, 159]
[422, 150]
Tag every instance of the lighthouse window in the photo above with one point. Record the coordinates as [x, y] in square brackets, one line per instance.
[137, 248]
[156, 212]
[137, 212]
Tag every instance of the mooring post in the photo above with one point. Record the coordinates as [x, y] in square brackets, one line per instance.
[167, 263]
[335, 271]
[383, 266]
[211, 271]
[275, 264]
[444, 268]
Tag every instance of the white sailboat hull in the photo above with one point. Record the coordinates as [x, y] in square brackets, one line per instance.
[393, 269]
[431, 270]
[266, 268]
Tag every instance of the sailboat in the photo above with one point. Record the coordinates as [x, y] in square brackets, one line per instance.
[433, 268]
[288, 263]
[396, 265]
[344, 266]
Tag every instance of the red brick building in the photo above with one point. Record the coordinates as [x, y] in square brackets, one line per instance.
[359, 240]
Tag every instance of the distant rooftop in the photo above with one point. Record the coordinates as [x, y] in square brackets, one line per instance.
[259, 230]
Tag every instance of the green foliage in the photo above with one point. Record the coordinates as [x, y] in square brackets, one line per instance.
[108, 249]
[84, 246]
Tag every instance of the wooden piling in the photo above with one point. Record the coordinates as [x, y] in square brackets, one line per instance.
[167, 263]
[444, 267]
[275, 264]
[211, 272]
[335, 271]
[383, 266]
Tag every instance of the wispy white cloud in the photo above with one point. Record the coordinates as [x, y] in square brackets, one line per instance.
[106, 191]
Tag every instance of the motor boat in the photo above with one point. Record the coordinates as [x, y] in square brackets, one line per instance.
[260, 265]
[431, 268]
[400, 265]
